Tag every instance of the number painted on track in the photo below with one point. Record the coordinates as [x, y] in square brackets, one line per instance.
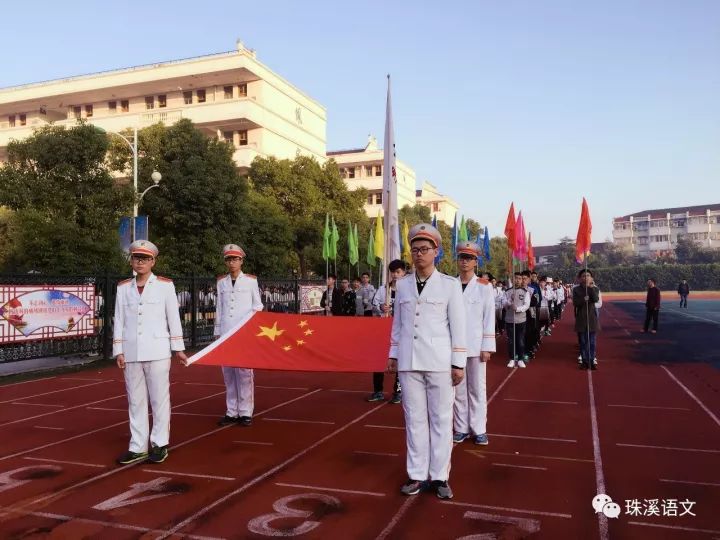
[157, 487]
[32, 472]
[525, 525]
[262, 524]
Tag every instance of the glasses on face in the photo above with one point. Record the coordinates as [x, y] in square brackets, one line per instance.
[141, 259]
[232, 259]
[466, 258]
[421, 250]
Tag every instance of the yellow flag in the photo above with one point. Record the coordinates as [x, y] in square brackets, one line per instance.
[405, 243]
[379, 237]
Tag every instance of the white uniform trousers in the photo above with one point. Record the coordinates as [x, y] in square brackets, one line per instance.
[427, 403]
[153, 379]
[239, 391]
[471, 399]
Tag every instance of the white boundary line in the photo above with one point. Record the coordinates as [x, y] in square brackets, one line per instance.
[45, 460]
[673, 527]
[678, 312]
[518, 510]
[26, 382]
[521, 455]
[350, 391]
[384, 427]
[81, 379]
[519, 466]
[651, 407]
[282, 387]
[689, 393]
[39, 405]
[597, 456]
[335, 490]
[267, 473]
[531, 438]
[204, 384]
[54, 391]
[384, 454]
[50, 427]
[62, 410]
[255, 442]
[542, 401]
[173, 473]
[704, 450]
[298, 421]
[689, 482]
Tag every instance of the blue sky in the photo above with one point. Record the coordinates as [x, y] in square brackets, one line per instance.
[536, 102]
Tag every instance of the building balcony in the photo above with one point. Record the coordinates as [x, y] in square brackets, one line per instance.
[622, 233]
[697, 227]
[244, 155]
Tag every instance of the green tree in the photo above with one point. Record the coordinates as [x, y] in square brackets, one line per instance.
[66, 204]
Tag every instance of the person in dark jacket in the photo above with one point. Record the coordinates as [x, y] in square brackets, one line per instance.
[584, 297]
[683, 291]
[348, 308]
[335, 307]
[652, 307]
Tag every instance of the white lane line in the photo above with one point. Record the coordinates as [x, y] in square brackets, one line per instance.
[208, 507]
[111, 524]
[282, 387]
[707, 451]
[689, 482]
[26, 382]
[82, 379]
[335, 490]
[255, 442]
[396, 518]
[54, 391]
[108, 409]
[519, 466]
[62, 410]
[351, 391]
[675, 527]
[191, 475]
[45, 460]
[298, 421]
[597, 456]
[204, 384]
[517, 510]
[384, 427]
[38, 405]
[61, 492]
[689, 393]
[50, 427]
[636, 341]
[521, 455]
[384, 454]
[542, 401]
[677, 312]
[175, 413]
[531, 438]
[651, 407]
[500, 386]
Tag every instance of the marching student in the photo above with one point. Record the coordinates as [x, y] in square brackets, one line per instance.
[471, 393]
[397, 269]
[238, 295]
[146, 333]
[367, 293]
[427, 347]
[585, 295]
[516, 302]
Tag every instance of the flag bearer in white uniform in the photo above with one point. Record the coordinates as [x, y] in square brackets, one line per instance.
[471, 394]
[237, 295]
[147, 331]
[427, 348]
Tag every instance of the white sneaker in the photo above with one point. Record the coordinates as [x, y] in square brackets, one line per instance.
[521, 363]
[511, 364]
[595, 361]
[580, 359]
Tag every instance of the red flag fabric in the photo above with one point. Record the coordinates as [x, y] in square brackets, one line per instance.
[530, 253]
[267, 340]
[510, 229]
[584, 234]
[520, 252]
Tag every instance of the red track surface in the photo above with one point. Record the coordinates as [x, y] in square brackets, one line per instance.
[337, 475]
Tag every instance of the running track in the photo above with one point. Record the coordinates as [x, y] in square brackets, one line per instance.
[319, 462]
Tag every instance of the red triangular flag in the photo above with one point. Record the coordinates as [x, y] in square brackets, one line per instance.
[584, 234]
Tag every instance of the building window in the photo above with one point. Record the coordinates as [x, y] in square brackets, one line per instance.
[162, 101]
[242, 90]
[11, 120]
[88, 111]
[351, 172]
[77, 112]
[200, 96]
[368, 170]
[378, 198]
[435, 207]
[125, 105]
[378, 170]
[371, 198]
[150, 102]
[243, 137]
[228, 136]
[187, 97]
[228, 92]
[112, 106]
[23, 119]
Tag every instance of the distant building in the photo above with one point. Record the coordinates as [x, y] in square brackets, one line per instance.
[547, 255]
[653, 232]
[440, 205]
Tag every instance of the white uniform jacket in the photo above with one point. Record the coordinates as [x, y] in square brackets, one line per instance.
[234, 303]
[480, 315]
[429, 330]
[147, 327]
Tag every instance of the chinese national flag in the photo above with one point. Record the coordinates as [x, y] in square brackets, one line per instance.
[267, 340]
[584, 234]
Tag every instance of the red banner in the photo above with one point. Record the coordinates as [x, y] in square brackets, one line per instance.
[291, 342]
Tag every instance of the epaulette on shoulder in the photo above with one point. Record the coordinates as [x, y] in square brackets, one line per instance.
[125, 281]
[166, 280]
[251, 276]
[447, 276]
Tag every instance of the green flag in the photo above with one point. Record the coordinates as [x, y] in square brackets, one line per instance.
[326, 239]
[352, 247]
[356, 245]
[335, 236]
[371, 249]
[463, 234]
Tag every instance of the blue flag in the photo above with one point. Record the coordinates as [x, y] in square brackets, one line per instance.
[125, 232]
[486, 245]
[141, 228]
[441, 251]
[480, 255]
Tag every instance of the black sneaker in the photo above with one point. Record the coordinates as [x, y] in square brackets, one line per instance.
[131, 457]
[158, 454]
[411, 487]
[245, 421]
[396, 398]
[442, 489]
[227, 420]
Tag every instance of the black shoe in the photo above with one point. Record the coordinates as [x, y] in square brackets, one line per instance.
[245, 421]
[158, 454]
[131, 457]
[442, 489]
[583, 366]
[593, 366]
[227, 420]
[396, 398]
[412, 487]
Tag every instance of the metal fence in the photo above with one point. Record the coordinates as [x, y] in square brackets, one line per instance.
[196, 301]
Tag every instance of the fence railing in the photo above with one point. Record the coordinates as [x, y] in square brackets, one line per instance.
[196, 300]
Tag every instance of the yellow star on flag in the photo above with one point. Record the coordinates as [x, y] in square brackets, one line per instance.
[271, 332]
[302, 324]
[287, 348]
[300, 342]
[308, 332]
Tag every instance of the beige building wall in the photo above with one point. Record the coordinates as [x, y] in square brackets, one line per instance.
[440, 205]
